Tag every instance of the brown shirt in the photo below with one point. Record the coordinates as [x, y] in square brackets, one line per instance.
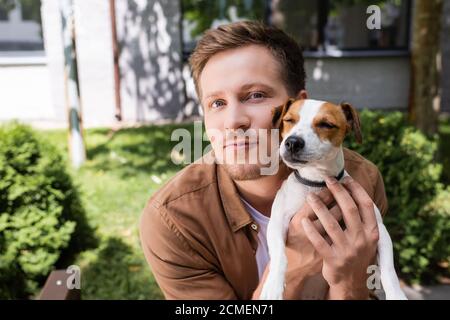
[201, 242]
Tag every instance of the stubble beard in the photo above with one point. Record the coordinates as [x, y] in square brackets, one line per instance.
[243, 172]
[250, 168]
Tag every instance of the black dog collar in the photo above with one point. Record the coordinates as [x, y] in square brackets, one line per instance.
[315, 184]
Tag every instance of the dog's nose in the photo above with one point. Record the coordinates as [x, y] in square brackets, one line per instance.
[294, 144]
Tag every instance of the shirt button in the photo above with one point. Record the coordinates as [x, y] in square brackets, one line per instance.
[254, 226]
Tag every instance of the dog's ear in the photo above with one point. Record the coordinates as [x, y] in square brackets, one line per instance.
[353, 122]
[279, 112]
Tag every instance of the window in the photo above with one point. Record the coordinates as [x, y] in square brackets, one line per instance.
[300, 19]
[316, 25]
[20, 28]
[200, 15]
[341, 24]
[31, 10]
[3, 14]
[5, 7]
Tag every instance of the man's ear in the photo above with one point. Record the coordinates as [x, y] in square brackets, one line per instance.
[279, 112]
[353, 122]
[302, 95]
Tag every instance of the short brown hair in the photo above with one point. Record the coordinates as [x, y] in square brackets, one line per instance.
[234, 35]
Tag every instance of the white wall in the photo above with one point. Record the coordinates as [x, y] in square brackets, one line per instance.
[152, 86]
[150, 60]
[25, 94]
[35, 92]
[95, 59]
[51, 25]
[95, 62]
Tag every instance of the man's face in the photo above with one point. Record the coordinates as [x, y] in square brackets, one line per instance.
[240, 87]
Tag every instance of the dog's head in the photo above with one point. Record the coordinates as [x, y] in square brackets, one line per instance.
[312, 130]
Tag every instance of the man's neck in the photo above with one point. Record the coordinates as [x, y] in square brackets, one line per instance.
[260, 193]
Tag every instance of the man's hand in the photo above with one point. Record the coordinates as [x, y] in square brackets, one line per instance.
[351, 251]
[303, 259]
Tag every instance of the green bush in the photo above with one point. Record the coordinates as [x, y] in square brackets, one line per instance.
[419, 209]
[41, 217]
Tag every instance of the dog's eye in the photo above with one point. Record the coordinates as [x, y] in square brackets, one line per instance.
[326, 125]
[288, 120]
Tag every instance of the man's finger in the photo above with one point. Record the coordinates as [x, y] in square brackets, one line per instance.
[335, 212]
[318, 242]
[363, 201]
[327, 198]
[306, 211]
[330, 224]
[325, 195]
[348, 207]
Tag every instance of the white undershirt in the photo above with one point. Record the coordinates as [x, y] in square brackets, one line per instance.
[262, 252]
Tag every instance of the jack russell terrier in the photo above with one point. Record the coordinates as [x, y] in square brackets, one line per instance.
[312, 133]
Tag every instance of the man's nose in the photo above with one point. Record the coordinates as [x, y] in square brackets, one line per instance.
[294, 144]
[236, 117]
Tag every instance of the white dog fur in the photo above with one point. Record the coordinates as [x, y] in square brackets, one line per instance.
[323, 159]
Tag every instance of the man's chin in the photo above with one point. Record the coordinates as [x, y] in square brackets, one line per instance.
[242, 172]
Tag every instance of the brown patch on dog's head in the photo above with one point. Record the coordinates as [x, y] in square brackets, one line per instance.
[292, 117]
[286, 116]
[279, 112]
[353, 122]
[330, 124]
[334, 123]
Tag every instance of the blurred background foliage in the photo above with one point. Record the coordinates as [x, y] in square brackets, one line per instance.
[42, 220]
[104, 199]
[418, 218]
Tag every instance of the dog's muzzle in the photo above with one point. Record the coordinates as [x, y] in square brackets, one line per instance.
[294, 144]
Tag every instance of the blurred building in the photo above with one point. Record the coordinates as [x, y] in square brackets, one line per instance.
[344, 59]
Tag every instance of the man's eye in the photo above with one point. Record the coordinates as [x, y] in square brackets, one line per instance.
[217, 104]
[256, 95]
[326, 125]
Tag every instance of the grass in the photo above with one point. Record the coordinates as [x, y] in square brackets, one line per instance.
[122, 171]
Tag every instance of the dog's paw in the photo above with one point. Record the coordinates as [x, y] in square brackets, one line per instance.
[272, 289]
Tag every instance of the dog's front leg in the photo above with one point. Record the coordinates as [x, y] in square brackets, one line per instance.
[388, 275]
[273, 287]
[277, 229]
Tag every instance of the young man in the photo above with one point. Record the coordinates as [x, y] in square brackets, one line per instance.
[203, 233]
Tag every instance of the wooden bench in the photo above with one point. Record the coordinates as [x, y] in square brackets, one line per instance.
[55, 288]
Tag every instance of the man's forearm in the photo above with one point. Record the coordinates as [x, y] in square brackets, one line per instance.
[295, 282]
[295, 278]
[257, 292]
[336, 293]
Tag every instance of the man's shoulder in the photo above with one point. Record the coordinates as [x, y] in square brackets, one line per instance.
[362, 170]
[368, 175]
[178, 211]
[354, 159]
[193, 178]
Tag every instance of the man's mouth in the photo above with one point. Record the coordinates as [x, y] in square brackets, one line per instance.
[239, 144]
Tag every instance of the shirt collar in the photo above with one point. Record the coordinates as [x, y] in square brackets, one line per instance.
[237, 215]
